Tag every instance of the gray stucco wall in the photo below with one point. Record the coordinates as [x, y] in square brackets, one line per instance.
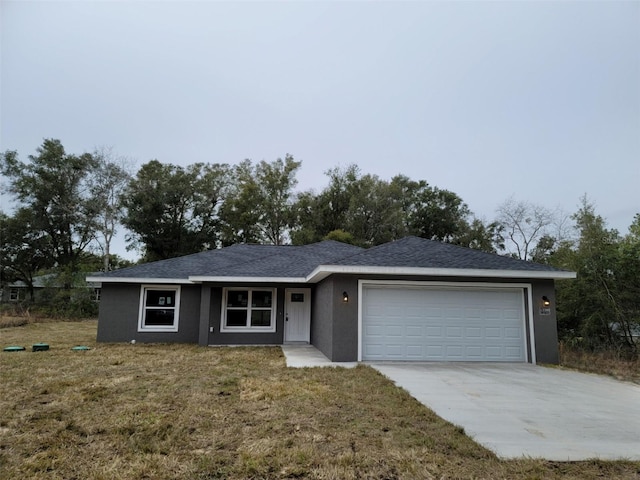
[545, 326]
[334, 323]
[322, 317]
[200, 312]
[345, 320]
[118, 315]
[338, 338]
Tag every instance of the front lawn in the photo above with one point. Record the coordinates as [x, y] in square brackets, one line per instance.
[181, 411]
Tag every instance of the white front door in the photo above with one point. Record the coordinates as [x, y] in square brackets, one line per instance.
[297, 315]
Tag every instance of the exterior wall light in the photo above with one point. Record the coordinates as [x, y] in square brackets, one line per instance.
[345, 297]
[545, 306]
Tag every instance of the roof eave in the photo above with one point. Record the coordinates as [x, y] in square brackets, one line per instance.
[218, 279]
[324, 271]
[145, 280]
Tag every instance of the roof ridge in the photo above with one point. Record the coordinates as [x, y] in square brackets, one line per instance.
[470, 250]
[495, 254]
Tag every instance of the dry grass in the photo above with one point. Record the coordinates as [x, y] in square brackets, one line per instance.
[10, 321]
[182, 411]
[603, 362]
[7, 321]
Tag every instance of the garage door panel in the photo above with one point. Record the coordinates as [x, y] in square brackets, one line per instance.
[472, 313]
[414, 331]
[473, 332]
[494, 351]
[374, 310]
[374, 330]
[454, 352]
[447, 324]
[474, 353]
[414, 311]
[513, 352]
[395, 331]
[492, 332]
[434, 332]
[395, 350]
[415, 351]
[374, 350]
[434, 351]
[512, 332]
[454, 332]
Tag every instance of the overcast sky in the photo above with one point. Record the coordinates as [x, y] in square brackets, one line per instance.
[540, 100]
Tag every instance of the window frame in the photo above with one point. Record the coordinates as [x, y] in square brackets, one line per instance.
[142, 327]
[247, 327]
[96, 294]
[14, 294]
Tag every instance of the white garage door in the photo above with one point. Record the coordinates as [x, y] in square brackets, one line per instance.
[443, 324]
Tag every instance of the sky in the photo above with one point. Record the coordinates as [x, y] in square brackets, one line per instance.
[538, 100]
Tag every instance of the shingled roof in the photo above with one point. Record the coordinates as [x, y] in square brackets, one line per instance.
[311, 263]
[419, 252]
[242, 260]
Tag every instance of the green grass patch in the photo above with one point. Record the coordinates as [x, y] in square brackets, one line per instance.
[121, 411]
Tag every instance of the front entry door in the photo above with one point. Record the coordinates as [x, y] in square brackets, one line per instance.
[297, 314]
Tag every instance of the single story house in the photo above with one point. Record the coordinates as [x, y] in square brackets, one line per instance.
[409, 300]
[18, 291]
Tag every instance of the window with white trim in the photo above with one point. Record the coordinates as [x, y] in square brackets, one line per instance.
[14, 294]
[159, 308]
[95, 295]
[249, 309]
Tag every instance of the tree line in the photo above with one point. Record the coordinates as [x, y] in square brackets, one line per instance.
[70, 207]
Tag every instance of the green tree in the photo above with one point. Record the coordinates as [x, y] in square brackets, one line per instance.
[317, 215]
[376, 211]
[374, 215]
[600, 306]
[628, 284]
[54, 185]
[544, 249]
[173, 211]
[305, 226]
[25, 250]
[480, 235]
[259, 207]
[363, 206]
[340, 236]
[276, 181]
[238, 214]
[439, 214]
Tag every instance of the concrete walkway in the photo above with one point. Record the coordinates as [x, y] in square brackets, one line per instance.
[300, 356]
[520, 410]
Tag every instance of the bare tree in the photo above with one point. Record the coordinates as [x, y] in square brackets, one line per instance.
[525, 224]
[108, 182]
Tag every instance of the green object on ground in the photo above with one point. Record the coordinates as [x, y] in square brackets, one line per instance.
[80, 348]
[14, 348]
[40, 347]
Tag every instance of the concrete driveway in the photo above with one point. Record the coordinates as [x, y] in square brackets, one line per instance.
[520, 410]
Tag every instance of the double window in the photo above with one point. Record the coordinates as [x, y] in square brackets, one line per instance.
[159, 308]
[249, 309]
